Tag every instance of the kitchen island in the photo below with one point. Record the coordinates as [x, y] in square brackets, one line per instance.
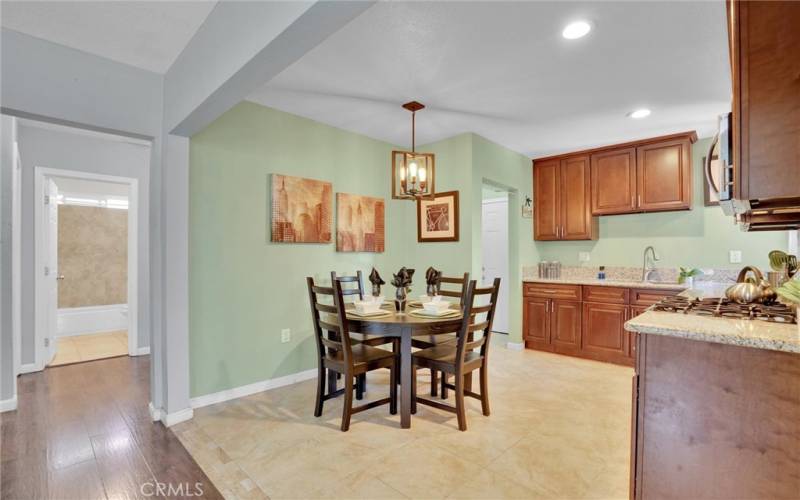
[716, 406]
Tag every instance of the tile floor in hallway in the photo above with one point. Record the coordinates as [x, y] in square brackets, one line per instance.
[559, 428]
[89, 347]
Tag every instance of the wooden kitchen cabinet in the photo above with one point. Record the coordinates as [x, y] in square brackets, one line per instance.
[613, 176]
[765, 63]
[604, 334]
[561, 200]
[577, 222]
[536, 321]
[565, 329]
[633, 336]
[653, 175]
[649, 175]
[714, 421]
[586, 321]
[664, 176]
[547, 200]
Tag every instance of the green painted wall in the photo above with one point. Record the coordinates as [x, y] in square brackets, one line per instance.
[243, 288]
[465, 163]
[700, 237]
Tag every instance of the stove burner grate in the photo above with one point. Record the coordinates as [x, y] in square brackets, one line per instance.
[721, 307]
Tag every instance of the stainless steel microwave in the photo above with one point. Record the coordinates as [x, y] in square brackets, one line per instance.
[719, 168]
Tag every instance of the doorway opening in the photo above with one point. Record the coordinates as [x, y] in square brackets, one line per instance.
[86, 252]
[495, 249]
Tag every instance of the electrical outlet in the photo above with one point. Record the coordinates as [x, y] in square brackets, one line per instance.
[735, 256]
[286, 335]
[584, 256]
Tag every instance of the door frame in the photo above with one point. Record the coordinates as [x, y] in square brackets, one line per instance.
[41, 174]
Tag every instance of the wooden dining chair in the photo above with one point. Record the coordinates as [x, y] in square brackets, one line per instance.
[342, 356]
[457, 291]
[361, 338]
[460, 359]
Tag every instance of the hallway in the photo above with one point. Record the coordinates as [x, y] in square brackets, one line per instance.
[84, 431]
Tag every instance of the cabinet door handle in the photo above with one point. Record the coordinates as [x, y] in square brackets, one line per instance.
[638, 200]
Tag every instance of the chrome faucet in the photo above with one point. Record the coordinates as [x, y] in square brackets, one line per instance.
[649, 268]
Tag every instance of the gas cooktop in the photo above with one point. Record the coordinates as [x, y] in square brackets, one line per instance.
[724, 308]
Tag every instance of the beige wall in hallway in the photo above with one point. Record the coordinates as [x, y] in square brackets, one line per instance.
[92, 256]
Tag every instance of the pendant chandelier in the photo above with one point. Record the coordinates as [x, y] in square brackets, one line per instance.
[412, 172]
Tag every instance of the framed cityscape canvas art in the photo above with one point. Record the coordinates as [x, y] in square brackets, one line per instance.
[437, 219]
[359, 223]
[301, 210]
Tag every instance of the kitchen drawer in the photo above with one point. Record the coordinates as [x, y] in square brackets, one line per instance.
[649, 296]
[605, 294]
[552, 291]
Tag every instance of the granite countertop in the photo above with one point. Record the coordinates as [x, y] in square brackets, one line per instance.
[607, 282]
[741, 332]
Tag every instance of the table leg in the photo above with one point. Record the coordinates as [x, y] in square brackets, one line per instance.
[405, 376]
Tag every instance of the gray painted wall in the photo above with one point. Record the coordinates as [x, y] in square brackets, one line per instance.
[7, 382]
[57, 82]
[80, 153]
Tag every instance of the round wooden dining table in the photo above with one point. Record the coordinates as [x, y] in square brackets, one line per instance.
[403, 326]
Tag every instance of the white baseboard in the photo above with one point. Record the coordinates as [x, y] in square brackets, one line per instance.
[92, 319]
[8, 404]
[142, 351]
[29, 368]
[155, 413]
[515, 346]
[171, 419]
[246, 390]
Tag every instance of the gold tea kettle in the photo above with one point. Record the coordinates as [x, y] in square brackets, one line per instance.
[751, 289]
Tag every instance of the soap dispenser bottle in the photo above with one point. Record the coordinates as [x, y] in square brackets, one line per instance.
[601, 275]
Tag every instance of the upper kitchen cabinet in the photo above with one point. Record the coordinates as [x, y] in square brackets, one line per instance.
[562, 197]
[650, 175]
[765, 60]
[664, 176]
[614, 181]
[547, 200]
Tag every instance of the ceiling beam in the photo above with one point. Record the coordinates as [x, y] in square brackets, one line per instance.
[239, 48]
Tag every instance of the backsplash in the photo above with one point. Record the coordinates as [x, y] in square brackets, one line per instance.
[620, 273]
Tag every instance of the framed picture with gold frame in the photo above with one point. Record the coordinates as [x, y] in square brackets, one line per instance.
[437, 218]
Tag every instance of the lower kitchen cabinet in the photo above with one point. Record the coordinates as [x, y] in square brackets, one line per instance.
[536, 322]
[584, 320]
[565, 326]
[604, 335]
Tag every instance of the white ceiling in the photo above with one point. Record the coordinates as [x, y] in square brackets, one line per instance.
[502, 70]
[145, 34]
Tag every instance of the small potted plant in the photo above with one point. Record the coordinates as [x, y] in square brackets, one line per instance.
[686, 275]
[790, 293]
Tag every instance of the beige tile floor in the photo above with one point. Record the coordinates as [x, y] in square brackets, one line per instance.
[90, 347]
[559, 428]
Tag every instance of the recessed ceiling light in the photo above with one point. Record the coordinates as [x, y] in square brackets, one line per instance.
[639, 113]
[577, 29]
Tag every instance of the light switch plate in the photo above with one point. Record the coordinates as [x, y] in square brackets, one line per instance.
[286, 335]
[584, 256]
[735, 256]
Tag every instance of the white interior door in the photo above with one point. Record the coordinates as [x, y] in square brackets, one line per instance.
[494, 240]
[52, 275]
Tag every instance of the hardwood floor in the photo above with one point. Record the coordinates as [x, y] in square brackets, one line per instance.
[83, 431]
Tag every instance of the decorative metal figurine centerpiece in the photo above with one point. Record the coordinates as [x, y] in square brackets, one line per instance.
[402, 281]
[432, 278]
[376, 281]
